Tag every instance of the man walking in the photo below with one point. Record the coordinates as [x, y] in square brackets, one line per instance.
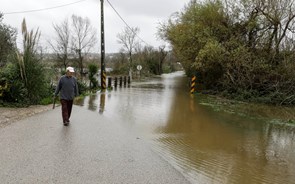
[68, 88]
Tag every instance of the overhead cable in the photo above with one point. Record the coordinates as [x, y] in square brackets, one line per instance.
[126, 22]
[43, 9]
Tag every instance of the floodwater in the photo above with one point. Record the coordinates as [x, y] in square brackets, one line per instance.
[209, 140]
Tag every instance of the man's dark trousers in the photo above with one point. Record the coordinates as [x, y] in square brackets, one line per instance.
[66, 109]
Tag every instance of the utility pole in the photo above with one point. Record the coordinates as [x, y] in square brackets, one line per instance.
[102, 71]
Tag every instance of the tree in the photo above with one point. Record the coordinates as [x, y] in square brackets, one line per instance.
[83, 38]
[7, 41]
[162, 56]
[128, 39]
[189, 31]
[62, 46]
[279, 15]
[239, 48]
[24, 74]
[266, 25]
[151, 59]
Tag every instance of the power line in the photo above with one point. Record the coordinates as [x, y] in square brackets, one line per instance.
[55, 7]
[43, 9]
[126, 22]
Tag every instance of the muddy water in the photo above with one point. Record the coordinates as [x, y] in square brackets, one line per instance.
[209, 140]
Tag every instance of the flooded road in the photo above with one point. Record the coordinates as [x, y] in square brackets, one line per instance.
[208, 140]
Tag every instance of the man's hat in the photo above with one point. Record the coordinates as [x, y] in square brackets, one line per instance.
[70, 69]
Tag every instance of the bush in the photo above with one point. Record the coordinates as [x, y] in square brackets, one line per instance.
[46, 101]
[93, 68]
[209, 64]
[14, 90]
[24, 74]
[30, 69]
[82, 87]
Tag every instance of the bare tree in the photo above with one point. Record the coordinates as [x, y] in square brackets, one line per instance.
[268, 24]
[61, 46]
[83, 38]
[280, 15]
[162, 56]
[128, 39]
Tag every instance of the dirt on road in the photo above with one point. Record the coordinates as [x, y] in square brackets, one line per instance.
[9, 115]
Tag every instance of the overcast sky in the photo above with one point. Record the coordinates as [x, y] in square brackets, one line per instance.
[145, 14]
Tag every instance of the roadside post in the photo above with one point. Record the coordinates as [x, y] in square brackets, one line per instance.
[128, 81]
[120, 81]
[116, 82]
[125, 81]
[139, 67]
[103, 71]
[109, 82]
[193, 84]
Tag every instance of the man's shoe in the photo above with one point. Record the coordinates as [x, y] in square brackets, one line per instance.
[66, 123]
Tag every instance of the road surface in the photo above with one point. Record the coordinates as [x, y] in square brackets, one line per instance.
[93, 149]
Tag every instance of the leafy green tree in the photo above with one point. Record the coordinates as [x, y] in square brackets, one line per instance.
[7, 41]
[242, 49]
[11, 88]
[189, 31]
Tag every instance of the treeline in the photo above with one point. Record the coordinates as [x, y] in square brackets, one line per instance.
[28, 75]
[239, 49]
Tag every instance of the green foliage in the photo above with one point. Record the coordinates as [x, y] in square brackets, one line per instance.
[82, 87]
[168, 69]
[235, 49]
[3, 88]
[209, 63]
[32, 72]
[191, 32]
[24, 74]
[93, 69]
[153, 66]
[7, 41]
[46, 101]
[121, 68]
[15, 91]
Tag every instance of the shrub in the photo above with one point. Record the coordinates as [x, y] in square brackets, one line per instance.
[14, 89]
[46, 101]
[82, 87]
[24, 74]
[93, 68]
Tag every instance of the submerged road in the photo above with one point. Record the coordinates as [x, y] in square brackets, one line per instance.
[152, 132]
[93, 149]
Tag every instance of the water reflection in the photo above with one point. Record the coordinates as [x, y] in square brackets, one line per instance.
[102, 102]
[208, 140]
[91, 102]
[204, 143]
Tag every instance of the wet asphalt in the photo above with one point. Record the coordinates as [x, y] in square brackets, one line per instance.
[93, 149]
